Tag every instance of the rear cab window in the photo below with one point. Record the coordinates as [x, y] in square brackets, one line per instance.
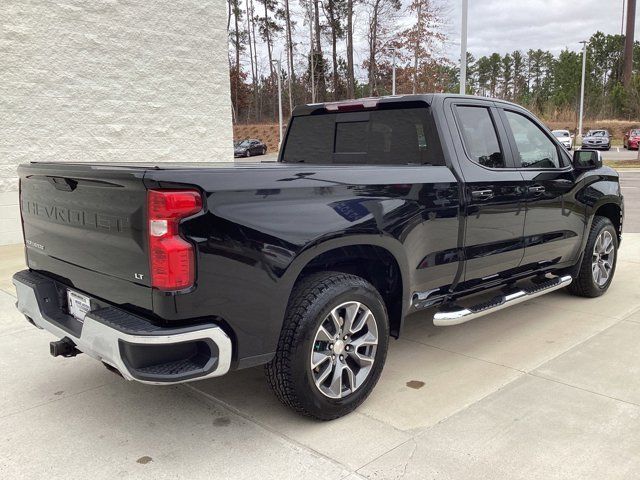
[389, 136]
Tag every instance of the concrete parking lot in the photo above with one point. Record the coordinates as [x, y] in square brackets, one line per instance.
[547, 389]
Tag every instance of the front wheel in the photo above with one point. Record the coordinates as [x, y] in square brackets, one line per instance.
[332, 347]
[599, 260]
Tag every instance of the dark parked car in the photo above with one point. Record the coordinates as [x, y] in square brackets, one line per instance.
[597, 139]
[631, 139]
[249, 148]
[377, 208]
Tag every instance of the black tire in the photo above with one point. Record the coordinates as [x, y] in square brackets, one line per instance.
[247, 154]
[583, 284]
[290, 374]
[264, 151]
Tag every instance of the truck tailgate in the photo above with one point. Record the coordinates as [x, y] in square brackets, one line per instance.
[85, 224]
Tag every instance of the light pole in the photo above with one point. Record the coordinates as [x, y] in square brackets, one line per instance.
[463, 48]
[584, 66]
[393, 73]
[278, 64]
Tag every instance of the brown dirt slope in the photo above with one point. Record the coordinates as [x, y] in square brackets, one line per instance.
[268, 133]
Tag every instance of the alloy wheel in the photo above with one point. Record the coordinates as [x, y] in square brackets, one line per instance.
[603, 258]
[344, 349]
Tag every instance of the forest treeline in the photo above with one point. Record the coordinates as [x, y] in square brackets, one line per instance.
[328, 50]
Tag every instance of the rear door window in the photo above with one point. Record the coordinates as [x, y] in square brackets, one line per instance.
[479, 136]
[398, 136]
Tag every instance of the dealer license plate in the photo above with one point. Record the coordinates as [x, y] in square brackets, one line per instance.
[79, 304]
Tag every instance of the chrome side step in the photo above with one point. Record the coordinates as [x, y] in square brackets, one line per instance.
[445, 318]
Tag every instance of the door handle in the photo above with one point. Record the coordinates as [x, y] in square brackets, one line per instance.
[536, 189]
[482, 194]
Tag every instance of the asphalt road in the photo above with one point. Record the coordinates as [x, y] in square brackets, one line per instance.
[620, 154]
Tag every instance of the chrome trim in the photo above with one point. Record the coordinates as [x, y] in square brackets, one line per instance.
[101, 342]
[456, 317]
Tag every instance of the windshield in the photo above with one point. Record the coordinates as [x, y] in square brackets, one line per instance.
[635, 133]
[597, 133]
[560, 133]
[244, 143]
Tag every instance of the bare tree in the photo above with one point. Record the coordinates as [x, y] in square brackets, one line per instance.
[318, 60]
[254, 79]
[266, 27]
[350, 72]
[382, 17]
[334, 10]
[423, 40]
[234, 7]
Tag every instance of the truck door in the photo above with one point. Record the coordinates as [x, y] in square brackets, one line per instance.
[555, 221]
[494, 191]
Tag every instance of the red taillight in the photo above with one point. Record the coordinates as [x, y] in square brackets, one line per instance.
[171, 258]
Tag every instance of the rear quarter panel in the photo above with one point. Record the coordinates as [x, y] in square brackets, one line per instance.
[260, 229]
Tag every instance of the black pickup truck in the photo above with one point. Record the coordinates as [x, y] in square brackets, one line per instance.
[375, 209]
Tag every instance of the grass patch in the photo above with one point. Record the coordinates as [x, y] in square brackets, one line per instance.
[622, 163]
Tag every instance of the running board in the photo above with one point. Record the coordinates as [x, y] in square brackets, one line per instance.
[445, 318]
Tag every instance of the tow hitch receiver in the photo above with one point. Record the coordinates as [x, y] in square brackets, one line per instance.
[63, 347]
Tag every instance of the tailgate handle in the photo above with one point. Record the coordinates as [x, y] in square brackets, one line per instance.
[62, 183]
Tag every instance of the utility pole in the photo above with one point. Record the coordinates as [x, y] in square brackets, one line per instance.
[463, 48]
[584, 66]
[278, 64]
[393, 73]
[628, 43]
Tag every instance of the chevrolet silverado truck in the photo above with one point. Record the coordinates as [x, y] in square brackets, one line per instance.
[376, 208]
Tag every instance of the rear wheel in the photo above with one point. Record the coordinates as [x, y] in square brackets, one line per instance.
[599, 260]
[332, 347]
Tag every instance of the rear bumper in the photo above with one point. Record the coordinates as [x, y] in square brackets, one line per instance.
[136, 348]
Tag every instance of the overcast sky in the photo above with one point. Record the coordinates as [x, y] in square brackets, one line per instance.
[507, 25]
[494, 26]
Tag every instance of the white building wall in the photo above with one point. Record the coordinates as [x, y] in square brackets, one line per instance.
[110, 81]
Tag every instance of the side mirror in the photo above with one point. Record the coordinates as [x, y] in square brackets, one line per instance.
[587, 159]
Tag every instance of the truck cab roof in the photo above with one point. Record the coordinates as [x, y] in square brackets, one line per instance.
[375, 102]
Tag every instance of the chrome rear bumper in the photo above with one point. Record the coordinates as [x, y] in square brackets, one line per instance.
[136, 348]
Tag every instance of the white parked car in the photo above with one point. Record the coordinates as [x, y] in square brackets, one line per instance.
[564, 137]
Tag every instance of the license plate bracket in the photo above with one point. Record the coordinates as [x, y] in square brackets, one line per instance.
[79, 304]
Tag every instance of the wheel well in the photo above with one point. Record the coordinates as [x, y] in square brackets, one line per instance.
[613, 213]
[376, 265]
